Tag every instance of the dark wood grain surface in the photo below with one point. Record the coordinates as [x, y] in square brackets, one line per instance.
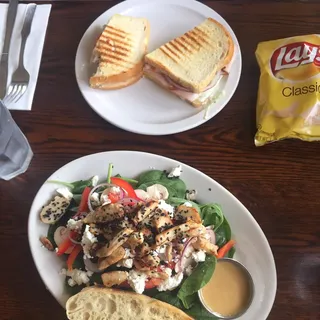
[278, 183]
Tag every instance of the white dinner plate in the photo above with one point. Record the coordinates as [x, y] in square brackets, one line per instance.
[144, 107]
[252, 246]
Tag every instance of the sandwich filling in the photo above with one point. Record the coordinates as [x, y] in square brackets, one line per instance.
[183, 92]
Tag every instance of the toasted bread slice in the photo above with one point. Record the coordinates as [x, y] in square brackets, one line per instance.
[108, 304]
[194, 59]
[120, 51]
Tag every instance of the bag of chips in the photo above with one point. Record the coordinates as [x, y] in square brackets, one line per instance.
[288, 103]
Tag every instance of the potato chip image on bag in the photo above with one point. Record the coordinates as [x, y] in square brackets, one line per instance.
[288, 104]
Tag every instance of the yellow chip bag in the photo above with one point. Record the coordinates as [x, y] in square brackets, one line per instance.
[288, 103]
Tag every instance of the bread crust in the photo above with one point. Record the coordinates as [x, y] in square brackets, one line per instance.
[145, 303]
[200, 87]
[122, 80]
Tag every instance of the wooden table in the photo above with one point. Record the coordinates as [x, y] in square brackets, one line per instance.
[278, 183]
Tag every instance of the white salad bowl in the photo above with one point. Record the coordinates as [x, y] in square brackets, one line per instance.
[252, 248]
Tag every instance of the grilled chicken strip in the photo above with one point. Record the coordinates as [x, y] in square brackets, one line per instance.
[116, 256]
[115, 243]
[105, 214]
[135, 239]
[175, 232]
[144, 211]
[114, 278]
[151, 260]
[185, 213]
[205, 245]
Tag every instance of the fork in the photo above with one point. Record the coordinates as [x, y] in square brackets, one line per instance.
[20, 78]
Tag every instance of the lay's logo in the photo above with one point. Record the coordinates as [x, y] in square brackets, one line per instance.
[294, 55]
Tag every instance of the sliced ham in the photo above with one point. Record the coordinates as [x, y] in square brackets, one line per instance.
[182, 92]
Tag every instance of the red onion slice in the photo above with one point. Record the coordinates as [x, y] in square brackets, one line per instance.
[106, 185]
[211, 234]
[74, 241]
[128, 201]
[91, 266]
[181, 263]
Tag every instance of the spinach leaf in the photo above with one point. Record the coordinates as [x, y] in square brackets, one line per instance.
[170, 297]
[50, 234]
[95, 278]
[78, 262]
[176, 187]
[178, 201]
[223, 234]
[151, 175]
[198, 279]
[211, 214]
[197, 311]
[79, 186]
[77, 198]
[231, 252]
[76, 186]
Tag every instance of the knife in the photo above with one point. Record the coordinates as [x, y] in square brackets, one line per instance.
[11, 18]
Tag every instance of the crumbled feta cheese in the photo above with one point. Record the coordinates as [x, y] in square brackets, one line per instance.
[94, 181]
[199, 256]
[187, 204]
[189, 270]
[77, 276]
[168, 271]
[65, 192]
[166, 207]
[115, 190]
[71, 282]
[171, 283]
[88, 239]
[128, 254]
[161, 251]
[94, 198]
[104, 199]
[191, 195]
[175, 172]
[158, 192]
[75, 225]
[126, 263]
[137, 281]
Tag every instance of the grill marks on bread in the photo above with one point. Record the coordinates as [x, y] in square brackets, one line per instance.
[115, 46]
[191, 42]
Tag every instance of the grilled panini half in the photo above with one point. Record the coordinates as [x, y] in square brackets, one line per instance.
[191, 65]
[119, 52]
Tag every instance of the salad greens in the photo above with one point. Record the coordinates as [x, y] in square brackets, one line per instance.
[212, 215]
[76, 187]
[176, 187]
[197, 311]
[197, 280]
[184, 297]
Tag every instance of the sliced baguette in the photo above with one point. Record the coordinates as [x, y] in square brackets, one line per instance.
[108, 304]
[193, 59]
[120, 51]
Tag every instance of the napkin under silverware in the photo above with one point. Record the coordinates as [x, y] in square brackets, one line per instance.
[33, 51]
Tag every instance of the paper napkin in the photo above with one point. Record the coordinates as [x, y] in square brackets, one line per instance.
[33, 51]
